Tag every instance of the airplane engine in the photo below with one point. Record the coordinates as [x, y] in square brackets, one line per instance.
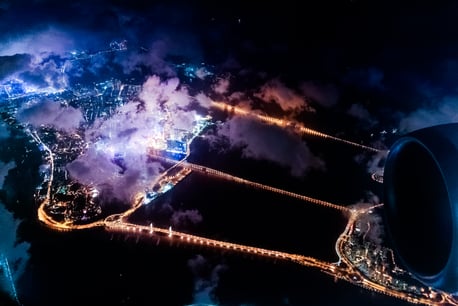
[421, 204]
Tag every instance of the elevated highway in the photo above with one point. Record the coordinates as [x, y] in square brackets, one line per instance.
[287, 124]
[226, 176]
[343, 270]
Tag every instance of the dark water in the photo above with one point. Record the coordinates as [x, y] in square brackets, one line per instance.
[95, 267]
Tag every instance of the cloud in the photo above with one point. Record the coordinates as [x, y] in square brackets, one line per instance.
[375, 163]
[46, 74]
[242, 100]
[47, 112]
[361, 113]
[4, 132]
[118, 178]
[178, 218]
[221, 86]
[15, 251]
[116, 160]
[444, 111]
[38, 43]
[288, 100]
[12, 64]
[260, 141]
[370, 223]
[42, 72]
[203, 100]
[325, 95]
[152, 58]
[184, 217]
[4, 169]
[206, 279]
[160, 95]
[358, 111]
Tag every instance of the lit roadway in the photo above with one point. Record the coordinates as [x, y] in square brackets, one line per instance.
[228, 177]
[296, 126]
[343, 269]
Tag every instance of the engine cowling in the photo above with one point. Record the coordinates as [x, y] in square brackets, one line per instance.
[421, 204]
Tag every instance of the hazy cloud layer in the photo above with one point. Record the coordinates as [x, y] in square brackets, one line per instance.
[99, 168]
[206, 279]
[370, 223]
[116, 159]
[12, 64]
[4, 169]
[39, 43]
[221, 86]
[186, 217]
[361, 113]
[444, 111]
[288, 100]
[153, 58]
[326, 95]
[374, 163]
[47, 112]
[260, 141]
[15, 252]
[4, 131]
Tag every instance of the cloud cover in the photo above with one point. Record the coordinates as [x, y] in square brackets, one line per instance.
[260, 141]
[16, 252]
[206, 279]
[117, 157]
[46, 112]
[442, 112]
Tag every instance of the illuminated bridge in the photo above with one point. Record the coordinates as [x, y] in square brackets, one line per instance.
[296, 126]
[228, 177]
[343, 270]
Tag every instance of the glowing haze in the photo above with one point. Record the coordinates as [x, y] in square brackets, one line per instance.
[129, 133]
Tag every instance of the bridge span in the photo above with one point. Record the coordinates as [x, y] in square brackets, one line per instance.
[226, 176]
[343, 270]
[283, 123]
[118, 225]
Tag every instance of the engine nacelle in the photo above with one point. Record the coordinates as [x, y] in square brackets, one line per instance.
[421, 204]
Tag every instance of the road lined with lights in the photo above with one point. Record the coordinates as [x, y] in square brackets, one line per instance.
[226, 176]
[296, 126]
[343, 269]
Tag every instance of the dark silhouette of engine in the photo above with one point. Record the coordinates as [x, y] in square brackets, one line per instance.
[421, 204]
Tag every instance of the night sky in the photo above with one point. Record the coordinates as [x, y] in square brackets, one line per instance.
[367, 71]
